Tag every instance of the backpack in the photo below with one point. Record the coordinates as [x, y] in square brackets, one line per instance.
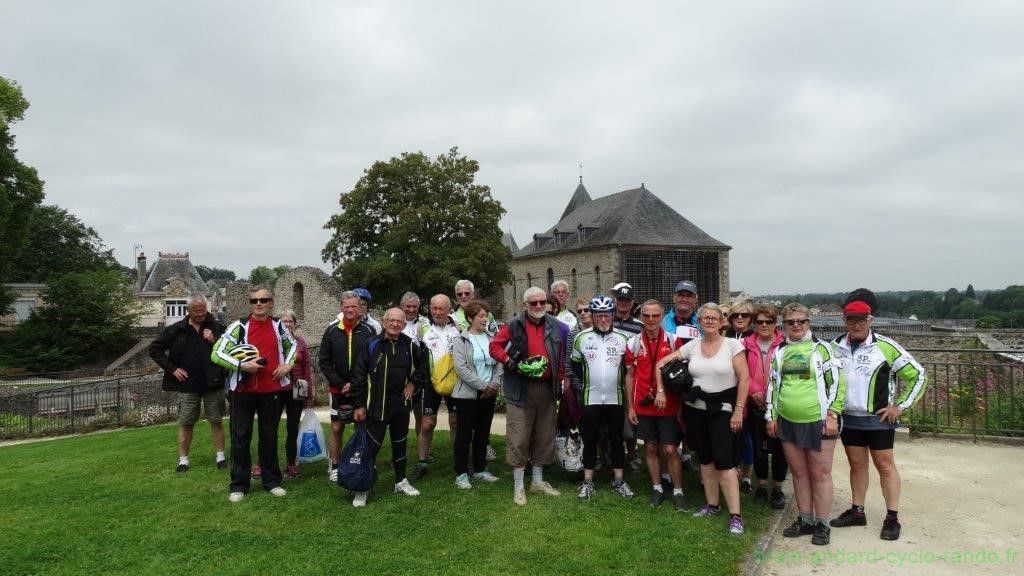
[442, 374]
[356, 469]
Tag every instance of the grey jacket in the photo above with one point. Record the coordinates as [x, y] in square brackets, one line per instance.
[470, 383]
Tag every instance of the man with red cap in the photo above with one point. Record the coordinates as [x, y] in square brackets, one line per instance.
[873, 366]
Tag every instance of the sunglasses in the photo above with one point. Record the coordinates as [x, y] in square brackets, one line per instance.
[260, 300]
[463, 293]
[582, 310]
[796, 322]
[764, 322]
[536, 302]
[740, 315]
[651, 316]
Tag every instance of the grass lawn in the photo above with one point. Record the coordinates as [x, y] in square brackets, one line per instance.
[111, 503]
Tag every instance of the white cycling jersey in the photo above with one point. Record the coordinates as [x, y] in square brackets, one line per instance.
[602, 371]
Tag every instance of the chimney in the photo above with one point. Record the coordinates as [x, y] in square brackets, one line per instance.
[141, 267]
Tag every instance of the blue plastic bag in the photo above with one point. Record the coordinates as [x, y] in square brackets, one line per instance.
[356, 469]
[311, 445]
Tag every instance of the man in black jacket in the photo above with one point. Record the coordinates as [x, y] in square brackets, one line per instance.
[183, 351]
[389, 371]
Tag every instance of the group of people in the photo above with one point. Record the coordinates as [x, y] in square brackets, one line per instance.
[762, 397]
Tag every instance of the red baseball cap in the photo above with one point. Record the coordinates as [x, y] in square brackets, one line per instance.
[857, 308]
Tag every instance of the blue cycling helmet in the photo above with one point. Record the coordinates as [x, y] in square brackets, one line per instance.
[363, 294]
[602, 304]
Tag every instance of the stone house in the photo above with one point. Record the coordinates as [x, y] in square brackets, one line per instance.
[162, 289]
[630, 236]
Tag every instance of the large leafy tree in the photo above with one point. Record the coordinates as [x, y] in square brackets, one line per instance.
[418, 223]
[208, 273]
[58, 243]
[21, 190]
[86, 316]
[266, 276]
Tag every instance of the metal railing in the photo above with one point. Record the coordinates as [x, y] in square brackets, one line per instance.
[977, 392]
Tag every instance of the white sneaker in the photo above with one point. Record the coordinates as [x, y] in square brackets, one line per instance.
[462, 482]
[544, 488]
[404, 487]
[491, 454]
[278, 491]
[332, 476]
[519, 496]
[485, 476]
[236, 496]
[360, 500]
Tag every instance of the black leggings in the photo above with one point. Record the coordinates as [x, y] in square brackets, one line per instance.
[294, 410]
[765, 445]
[607, 417]
[472, 429]
[397, 421]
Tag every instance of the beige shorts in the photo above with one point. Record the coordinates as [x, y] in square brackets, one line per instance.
[531, 427]
[212, 402]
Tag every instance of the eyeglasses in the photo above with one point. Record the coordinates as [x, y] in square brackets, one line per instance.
[536, 302]
[740, 315]
[855, 320]
[463, 293]
[796, 322]
[260, 300]
[652, 316]
[394, 320]
[710, 319]
[285, 321]
[760, 322]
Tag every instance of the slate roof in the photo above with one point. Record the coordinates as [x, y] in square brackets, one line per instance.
[509, 242]
[173, 265]
[630, 217]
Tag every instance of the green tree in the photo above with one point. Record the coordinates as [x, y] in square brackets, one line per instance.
[86, 316]
[266, 275]
[59, 243]
[21, 190]
[208, 273]
[418, 223]
[970, 291]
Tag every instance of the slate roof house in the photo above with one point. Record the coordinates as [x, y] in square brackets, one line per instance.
[630, 236]
[163, 288]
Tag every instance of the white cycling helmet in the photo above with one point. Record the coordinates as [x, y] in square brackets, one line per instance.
[244, 353]
[602, 304]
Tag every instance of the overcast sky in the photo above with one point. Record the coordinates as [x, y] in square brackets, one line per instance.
[832, 145]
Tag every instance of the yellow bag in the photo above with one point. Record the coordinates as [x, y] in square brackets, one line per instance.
[442, 375]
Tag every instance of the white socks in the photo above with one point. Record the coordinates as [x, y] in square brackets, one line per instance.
[517, 478]
[538, 474]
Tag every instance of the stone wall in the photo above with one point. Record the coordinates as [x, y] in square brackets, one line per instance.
[312, 293]
[587, 281]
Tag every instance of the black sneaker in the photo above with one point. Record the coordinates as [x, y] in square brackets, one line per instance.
[822, 534]
[849, 518]
[679, 502]
[890, 529]
[778, 499]
[222, 464]
[745, 485]
[657, 497]
[761, 494]
[420, 472]
[798, 528]
[181, 468]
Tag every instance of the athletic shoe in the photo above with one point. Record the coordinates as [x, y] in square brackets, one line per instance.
[586, 491]
[544, 488]
[707, 510]
[657, 497]
[256, 472]
[404, 487]
[622, 489]
[745, 485]
[332, 476]
[679, 502]
[181, 468]
[890, 529]
[222, 464]
[778, 499]
[736, 526]
[278, 491]
[822, 534]
[360, 499]
[291, 471]
[798, 528]
[519, 496]
[462, 482]
[420, 472]
[761, 494]
[849, 518]
[485, 476]
[236, 496]
[491, 454]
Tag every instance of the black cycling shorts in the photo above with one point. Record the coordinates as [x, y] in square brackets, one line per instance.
[342, 409]
[871, 439]
[661, 429]
[428, 401]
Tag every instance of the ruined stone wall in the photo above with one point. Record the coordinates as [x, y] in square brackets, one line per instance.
[312, 293]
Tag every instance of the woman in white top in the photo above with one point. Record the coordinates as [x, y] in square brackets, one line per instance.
[714, 410]
[474, 395]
